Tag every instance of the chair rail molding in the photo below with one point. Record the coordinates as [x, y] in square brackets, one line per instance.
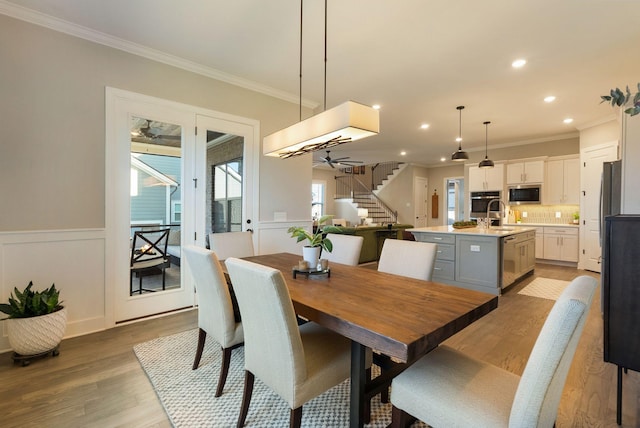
[72, 259]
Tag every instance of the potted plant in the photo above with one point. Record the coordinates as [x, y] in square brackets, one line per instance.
[576, 218]
[618, 98]
[317, 240]
[36, 323]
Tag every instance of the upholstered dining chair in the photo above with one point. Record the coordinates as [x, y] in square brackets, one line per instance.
[215, 310]
[447, 388]
[231, 244]
[297, 362]
[346, 249]
[413, 259]
[148, 256]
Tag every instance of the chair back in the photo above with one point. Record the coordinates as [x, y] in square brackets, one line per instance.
[540, 389]
[273, 346]
[413, 259]
[346, 249]
[231, 244]
[215, 309]
[149, 246]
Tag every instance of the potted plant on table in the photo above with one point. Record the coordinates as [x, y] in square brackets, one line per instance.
[317, 240]
[36, 324]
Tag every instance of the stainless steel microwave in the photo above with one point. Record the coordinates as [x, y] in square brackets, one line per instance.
[525, 194]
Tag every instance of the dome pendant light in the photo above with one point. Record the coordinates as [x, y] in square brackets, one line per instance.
[459, 155]
[486, 163]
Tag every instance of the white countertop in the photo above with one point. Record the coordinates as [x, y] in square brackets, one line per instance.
[494, 231]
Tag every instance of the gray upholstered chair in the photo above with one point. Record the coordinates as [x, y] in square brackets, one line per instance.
[346, 249]
[231, 244]
[215, 308]
[297, 363]
[446, 388]
[408, 258]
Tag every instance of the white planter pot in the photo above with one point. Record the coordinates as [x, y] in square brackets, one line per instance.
[37, 335]
[311, 255]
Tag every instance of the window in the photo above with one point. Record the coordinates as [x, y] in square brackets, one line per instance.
[317, 199]
[176, 212]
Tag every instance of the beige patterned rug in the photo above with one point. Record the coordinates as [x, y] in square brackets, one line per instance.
[188, 395]
[545, 288]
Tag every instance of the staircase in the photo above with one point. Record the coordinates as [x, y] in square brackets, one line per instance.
[350, 187]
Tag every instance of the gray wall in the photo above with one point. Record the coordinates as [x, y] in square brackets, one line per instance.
[52, 152]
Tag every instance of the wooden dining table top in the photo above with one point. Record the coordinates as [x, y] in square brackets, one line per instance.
[398, 316]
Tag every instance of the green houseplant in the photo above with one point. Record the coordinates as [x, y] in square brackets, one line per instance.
[36, 321]
[315, 240]
[619, 98]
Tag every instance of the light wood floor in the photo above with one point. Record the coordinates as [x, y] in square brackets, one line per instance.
[96, 381]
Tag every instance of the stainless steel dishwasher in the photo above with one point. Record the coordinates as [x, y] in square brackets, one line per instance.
[509, 260]
[518, 256]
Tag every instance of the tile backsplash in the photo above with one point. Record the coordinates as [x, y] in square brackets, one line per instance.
[546, 214]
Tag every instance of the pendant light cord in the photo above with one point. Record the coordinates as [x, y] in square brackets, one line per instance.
[486, 139]
[300, 84]
[325, 55]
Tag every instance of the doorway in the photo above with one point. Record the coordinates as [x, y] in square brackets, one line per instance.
[592, 159]
[455, 199]
[156, 178]
[421, 197]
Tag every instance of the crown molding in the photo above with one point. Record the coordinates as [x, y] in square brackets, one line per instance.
[62, 26]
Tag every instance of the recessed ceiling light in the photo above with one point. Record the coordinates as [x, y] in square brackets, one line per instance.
[568, 120]
[403, 153]
[549, 99]
[376, 106]
[442, 159]
[424, 126]
[518, 63]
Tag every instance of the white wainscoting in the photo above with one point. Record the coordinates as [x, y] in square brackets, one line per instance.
[273, 237]
[72, 259]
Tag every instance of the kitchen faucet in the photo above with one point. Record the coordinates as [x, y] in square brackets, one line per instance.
[504, 208]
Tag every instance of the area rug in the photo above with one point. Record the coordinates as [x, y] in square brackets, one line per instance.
[545, 288]
[188, 395]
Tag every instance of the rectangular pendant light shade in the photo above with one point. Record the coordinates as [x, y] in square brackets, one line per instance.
[347, 122]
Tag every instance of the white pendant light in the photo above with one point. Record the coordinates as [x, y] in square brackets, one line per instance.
[347, 122]
[486, 163]
[459, 155]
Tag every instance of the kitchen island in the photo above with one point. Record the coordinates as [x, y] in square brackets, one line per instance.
[480, 259]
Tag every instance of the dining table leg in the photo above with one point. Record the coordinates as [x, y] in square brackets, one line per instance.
[358, 381]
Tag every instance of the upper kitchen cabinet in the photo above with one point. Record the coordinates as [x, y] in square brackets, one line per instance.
[525, 172]
[481, 179]
[563, 181]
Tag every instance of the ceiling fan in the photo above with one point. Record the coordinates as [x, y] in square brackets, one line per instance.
[155, 132]
[338, 161]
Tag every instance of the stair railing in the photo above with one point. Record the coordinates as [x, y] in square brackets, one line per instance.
[382, 171]
[347, 186]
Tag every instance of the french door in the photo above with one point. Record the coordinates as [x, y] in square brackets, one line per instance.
[158, 175]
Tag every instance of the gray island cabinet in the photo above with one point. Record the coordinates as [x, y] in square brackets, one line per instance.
[480, 259]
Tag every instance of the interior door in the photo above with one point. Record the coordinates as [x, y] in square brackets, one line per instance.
[420, 196]
[590, 178]
[225, 177]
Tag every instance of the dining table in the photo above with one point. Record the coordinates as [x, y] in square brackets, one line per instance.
[399, 317]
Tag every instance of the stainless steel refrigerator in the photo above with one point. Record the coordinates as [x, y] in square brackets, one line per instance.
[610, 193]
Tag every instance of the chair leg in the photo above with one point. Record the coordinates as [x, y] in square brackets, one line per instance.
[246, 397]
[164, 275]
[130, 283]
[295, 418]
[202, 336]
[224, 370]
[367, 403]
[140, 290]
[400, 418]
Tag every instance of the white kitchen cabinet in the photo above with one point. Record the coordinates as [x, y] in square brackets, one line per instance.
[539, 242]
[482, 179]
[561, 243]
[563, 181]
[525, 172]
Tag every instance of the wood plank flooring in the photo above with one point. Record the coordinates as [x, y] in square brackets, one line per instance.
[97, 381]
